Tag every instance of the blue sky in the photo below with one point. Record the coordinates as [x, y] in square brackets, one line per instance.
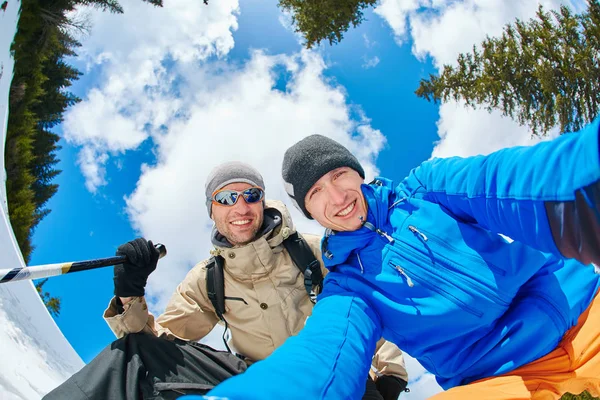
[169, 93]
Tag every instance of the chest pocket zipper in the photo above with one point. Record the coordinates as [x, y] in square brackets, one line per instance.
[457, 268]
[398, 268]
[436, 289]
[453, 249]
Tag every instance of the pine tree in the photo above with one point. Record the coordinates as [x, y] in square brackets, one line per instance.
[38, 98]
[51, 303]
[543, 72]
[319, 20]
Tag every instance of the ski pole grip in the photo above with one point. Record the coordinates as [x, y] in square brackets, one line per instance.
[162, 250]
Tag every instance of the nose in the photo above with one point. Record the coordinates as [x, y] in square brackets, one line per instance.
[336, 195]
[241, 206]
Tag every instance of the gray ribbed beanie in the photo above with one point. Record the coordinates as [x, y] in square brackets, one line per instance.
[230, 172]
[308, 160]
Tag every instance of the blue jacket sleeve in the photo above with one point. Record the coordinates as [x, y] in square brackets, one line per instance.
[328, 359]
[546, 196]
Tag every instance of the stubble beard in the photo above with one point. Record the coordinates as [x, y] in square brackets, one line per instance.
[242, 239]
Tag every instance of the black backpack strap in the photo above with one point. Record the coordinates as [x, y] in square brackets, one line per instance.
[305, 260]
[215, 285]
[215, 288]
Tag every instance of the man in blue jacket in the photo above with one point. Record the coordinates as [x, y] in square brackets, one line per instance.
[423, 264]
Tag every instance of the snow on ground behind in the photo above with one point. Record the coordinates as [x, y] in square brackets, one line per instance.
[35, 357]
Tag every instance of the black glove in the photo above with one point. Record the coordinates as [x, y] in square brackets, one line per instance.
[390, 387]
[371, 392]
[131, 276]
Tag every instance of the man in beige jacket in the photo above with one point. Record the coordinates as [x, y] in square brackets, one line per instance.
[266, 302]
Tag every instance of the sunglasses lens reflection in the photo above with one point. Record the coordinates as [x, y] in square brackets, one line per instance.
[226, 197]
[230, 197]
[253, 195]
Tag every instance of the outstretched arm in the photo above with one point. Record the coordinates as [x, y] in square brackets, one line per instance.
[546, 196]
[328, 359]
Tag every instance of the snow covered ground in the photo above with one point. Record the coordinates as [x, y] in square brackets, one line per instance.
[35, 357]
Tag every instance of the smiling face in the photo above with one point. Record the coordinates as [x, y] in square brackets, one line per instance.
[238, 223]
[336, 201]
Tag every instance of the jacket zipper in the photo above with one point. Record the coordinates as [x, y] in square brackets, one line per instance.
[435, 289]
[441, 291]
[385, 235]
[362, 268]
[418, 233]
[380, 232]
[476, 260]
[398, 268]
[458, 273]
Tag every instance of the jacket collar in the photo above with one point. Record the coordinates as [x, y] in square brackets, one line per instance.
[338, 246]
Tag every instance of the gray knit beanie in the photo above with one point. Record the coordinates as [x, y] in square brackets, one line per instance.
[308, 160]
[230, 172]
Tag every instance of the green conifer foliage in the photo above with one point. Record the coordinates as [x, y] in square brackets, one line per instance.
[319, 20]
[51, 303]
[39, 95]
[543, 72]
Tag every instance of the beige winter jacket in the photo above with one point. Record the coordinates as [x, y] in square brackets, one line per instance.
[275, 304]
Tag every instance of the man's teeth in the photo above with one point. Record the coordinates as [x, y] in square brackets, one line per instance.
[346, 210]
[242, 222]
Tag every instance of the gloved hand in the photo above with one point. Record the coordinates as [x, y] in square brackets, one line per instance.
[371, 392]
[130, 277]
[390, 387]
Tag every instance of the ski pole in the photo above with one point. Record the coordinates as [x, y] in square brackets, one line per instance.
[48, 270]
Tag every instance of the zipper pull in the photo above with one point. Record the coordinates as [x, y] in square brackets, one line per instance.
[396, 203]
[409, 281]
[381, 233]
[385, 235]
[418, 232]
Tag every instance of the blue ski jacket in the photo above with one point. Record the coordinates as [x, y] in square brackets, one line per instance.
[430, 272]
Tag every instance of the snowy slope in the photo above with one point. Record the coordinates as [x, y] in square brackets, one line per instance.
[34, 355]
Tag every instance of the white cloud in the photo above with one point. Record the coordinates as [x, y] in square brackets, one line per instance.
[440, 30]
[465, 132]
[92, 166]
[285, 19]
[134, 53]
[368, 42]
[370, 62]
[186, 29]
[396, 13]
[240, 117]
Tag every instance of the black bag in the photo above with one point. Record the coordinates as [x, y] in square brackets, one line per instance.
[142, 366]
